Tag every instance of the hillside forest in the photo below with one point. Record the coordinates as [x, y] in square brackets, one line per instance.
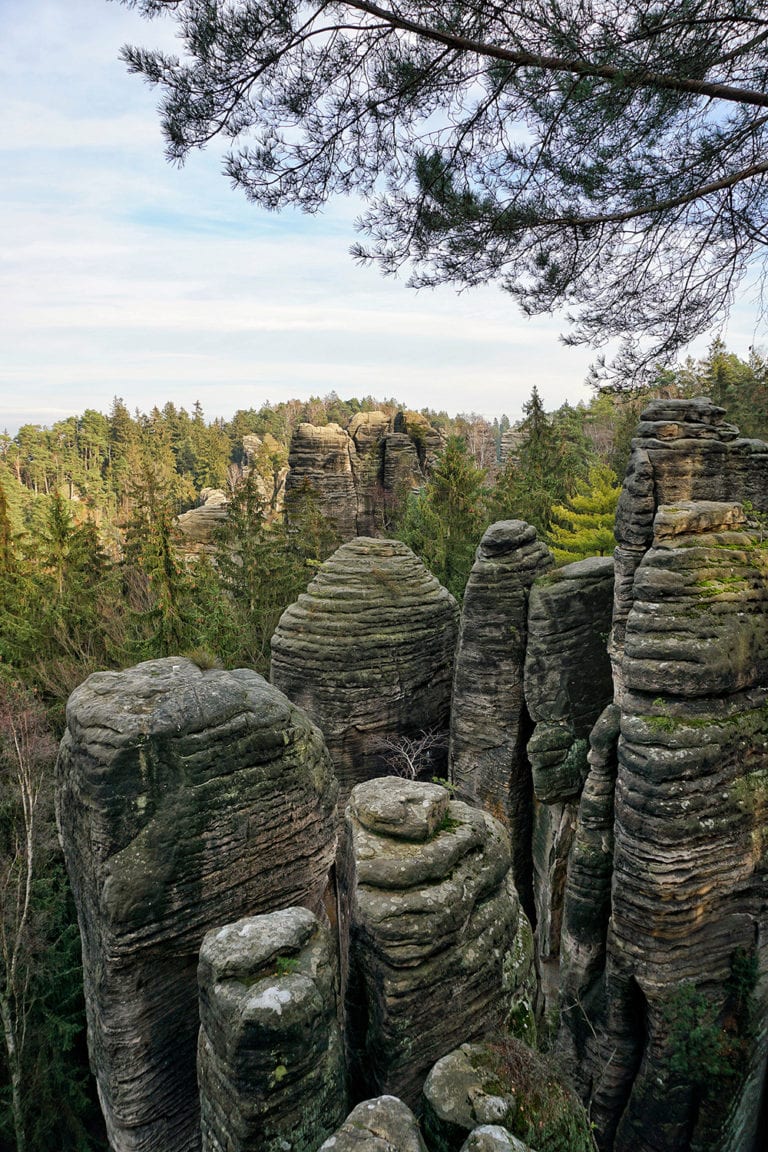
[92, 576]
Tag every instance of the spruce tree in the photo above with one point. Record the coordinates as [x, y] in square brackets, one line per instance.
[584, 525]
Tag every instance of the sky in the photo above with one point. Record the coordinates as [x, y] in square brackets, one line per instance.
[121, 275]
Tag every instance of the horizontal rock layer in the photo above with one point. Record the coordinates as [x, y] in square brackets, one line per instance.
[368, 652]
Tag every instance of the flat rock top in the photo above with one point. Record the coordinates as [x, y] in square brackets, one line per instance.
[403, 809]
[697, 410]
[593, 568]
[245, 948]
[692, 517]
[170, 697]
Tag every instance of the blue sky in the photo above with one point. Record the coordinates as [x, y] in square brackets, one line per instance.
[120, 275]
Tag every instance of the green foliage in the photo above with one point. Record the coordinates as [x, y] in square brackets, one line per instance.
[548, 1117]
[708, 1043]
[553, 455]
[443, 522]
[583, 526]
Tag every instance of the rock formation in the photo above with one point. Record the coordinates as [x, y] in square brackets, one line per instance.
[501, 1091]
[689, 916]
[368, 430]
[683, 450]
[185, 799]
[489, 720]
[197, 527]
[383, 1124]
[434, 921]
[567, 684]
[320, 462]
[358, 476]
[368, 650]
[270, 1062]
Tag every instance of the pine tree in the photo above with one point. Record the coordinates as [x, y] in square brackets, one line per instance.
[584, 525]
[444, 522]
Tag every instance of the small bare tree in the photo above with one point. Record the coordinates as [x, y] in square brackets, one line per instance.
[27, 752]
[413, 756]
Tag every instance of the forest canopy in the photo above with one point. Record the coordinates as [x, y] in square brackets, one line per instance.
[599, 157]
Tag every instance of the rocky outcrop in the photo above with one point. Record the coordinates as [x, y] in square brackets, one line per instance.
[368, 650]
[186, 798]
[368, 430]
[567, 684]
[401, 471]
[359, 476]
[489, 720]
[685, 955]
[503, 1093]
[198, 526]
[684, 450]
[320, 462]
[270, 1063]
[435, 924]
[383, 1124]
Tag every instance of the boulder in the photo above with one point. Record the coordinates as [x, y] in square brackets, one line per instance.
[500, 1095]
[320, 462]
[270, 1062]
[368, 652]
[384, 1124]
[182, 795]
[437, 938]
[489, 721]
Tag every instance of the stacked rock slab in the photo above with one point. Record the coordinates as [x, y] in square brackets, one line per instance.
[489, 721]
[383, 1124]
[198, 526]
[368, 651]
[683, 450]
[270, 1060]
[567, 685]
[435, 924]
[687, 942]
[182, 797]
[320, 461]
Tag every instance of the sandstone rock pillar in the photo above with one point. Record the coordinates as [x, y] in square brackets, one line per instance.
[185, 798]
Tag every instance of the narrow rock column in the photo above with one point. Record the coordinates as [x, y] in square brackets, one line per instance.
[270, 1059]
[567, 685]
[437, 938]
[185, 798]
[489, 722]
[682, 1044]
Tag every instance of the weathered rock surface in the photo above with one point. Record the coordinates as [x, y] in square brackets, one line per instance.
[383, 1124]
[270, 1062]
[434, 922]
[493, 1138]
[368, 430]
[684, 451]
[500, 1087]
[368, 652]
[688, 909]
[198, 526]
[320, 460]
[185, 798]
[567, 684]
[489, 720]
[401, 471]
